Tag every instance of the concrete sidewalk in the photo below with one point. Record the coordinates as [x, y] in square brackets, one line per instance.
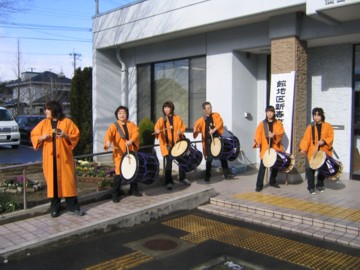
[333, 215]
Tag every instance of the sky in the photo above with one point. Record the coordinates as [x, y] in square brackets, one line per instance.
[50, 34]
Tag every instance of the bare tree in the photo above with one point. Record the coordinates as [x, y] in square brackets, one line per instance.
[8, 7]
[19, 67]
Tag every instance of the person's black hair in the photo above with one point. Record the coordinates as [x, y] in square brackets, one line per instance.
[170, 105]
[55, 108]
[320, 112]
[122, 108]
[271, 108]
[205, 103]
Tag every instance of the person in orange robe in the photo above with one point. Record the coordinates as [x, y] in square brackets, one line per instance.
[128, 137]
[319, 138]
[58, 136]
[272, 129]
[210, 124]
[169, 129]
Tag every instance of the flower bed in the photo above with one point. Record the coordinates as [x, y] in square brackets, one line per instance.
[91, 172]
[15, 185]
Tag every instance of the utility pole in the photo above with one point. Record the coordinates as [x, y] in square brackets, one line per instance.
[76, 56]
[18, 78]
[96, 7]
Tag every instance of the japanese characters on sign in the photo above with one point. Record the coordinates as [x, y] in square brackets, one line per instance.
[330, 2]
[282, 98]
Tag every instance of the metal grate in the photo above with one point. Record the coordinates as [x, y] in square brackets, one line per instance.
[5, 130]
[201, 229]
[124, 262]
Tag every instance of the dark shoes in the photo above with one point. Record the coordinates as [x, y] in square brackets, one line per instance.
[116, 199]
[258, 189]
[169, 186]
[207, 179]
[77, 212]
[134, 192]
[320, 189]
[275, 185]
[185, 182]
[117, 196]
[55, 213]
[312, 191]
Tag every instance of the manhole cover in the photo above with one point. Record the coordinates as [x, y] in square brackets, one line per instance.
[160, 244]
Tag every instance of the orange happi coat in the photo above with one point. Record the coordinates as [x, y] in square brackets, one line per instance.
[327, 134]
[200, 124]
[64, 156]
[113, 136]
[262, 142]
[178, 125]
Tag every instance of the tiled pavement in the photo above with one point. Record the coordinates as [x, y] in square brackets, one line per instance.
[333, 215]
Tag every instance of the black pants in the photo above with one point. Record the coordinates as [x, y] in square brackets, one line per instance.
[261, 174]
[72, 204]
[168, 170]
[224, 166]
[116, 192]
[311, 179]
[209, 159]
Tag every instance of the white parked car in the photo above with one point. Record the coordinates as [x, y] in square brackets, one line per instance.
[9, 129]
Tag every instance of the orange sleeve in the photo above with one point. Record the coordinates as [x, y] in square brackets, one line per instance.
[134, 135]
[37, 132]
[279, 132]
[258, 135]
[199, 125]
[306, 143]
[218, 122]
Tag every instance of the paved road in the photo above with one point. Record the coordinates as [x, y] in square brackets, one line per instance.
[24, 154]
[174, 243]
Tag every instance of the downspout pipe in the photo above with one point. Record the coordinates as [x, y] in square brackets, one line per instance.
[124, 91]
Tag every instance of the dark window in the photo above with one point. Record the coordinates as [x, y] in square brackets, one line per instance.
[181, 81]
[356, 116]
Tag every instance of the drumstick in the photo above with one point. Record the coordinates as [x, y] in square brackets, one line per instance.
[316, 151]
[127, 152]
[162, 130]
[269, 142]
[212, 138]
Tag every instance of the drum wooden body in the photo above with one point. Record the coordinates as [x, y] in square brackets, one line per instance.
[137, 167]
[326, 165]
[279, 160]
[186, 155]
[225, 148]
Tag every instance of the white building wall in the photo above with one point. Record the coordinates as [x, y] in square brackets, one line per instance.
[330, 87]
[151, 19]
[219, 85]
[106, 95]
[248, 70]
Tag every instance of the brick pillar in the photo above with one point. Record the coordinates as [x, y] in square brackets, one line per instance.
[290, 54]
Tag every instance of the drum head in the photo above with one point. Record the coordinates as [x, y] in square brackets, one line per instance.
[128, 166]
[215, 147]
[269, 158]
[317, 161]
[179, 148]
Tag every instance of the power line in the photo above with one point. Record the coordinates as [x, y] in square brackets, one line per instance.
[51, 39]
[43, 27]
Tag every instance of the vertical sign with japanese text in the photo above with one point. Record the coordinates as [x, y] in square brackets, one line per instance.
[282, 98]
